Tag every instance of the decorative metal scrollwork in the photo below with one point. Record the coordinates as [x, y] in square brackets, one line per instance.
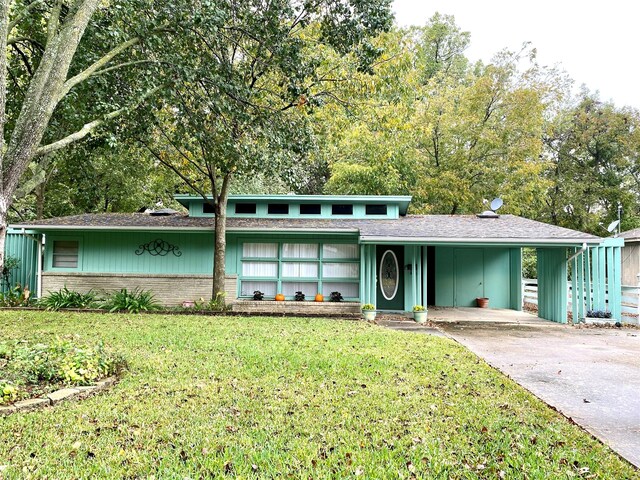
[159, 247]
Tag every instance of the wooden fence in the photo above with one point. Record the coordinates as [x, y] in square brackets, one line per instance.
[630, 299]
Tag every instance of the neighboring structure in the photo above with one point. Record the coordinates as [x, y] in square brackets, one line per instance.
[365, 247]
[631, 257]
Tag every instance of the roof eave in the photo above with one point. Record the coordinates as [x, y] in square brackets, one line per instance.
[371, 239]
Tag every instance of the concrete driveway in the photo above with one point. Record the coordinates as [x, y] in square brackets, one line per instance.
[591, 375]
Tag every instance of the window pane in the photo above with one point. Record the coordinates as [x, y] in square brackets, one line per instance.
[308, 288]
[300, 269]
[300, 250]
[278, 208]
[330, 250]
[376, 209]
[310, 209]
[259, 269]
[247, 288]
[340, 270]
[245, 208]
[208, 208]
[65, 253]
[348, 290]
[338, 209]
[260, 250]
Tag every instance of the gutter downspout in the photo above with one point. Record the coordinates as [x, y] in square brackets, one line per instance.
[579, 252]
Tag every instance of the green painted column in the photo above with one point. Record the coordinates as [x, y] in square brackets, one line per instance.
[588, 285]
[574, 285]
[580, 290]
[552, 284]
[425, 276]
[363, 274]
[615, 291]
[602, 278]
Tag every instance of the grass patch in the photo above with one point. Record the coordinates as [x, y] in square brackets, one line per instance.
[304, 398]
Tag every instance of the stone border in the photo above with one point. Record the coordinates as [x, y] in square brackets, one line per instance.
[56, 397]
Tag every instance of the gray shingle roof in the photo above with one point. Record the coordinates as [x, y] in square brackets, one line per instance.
[412, 227]
[631, 235]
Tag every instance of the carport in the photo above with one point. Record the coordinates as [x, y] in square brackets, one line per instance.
[449, 261]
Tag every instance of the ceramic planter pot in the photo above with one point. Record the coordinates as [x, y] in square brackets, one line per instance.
[369, 315]
[420, 317]
[482, 302]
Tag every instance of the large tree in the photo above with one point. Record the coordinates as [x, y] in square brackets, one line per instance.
[240, 105]
[60, 63]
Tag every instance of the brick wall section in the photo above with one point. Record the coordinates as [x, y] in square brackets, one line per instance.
[168, 289]
[292, 307]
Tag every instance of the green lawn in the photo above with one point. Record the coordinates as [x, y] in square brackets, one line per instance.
[299, 398]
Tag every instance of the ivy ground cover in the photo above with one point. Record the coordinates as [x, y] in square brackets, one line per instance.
[298, 398]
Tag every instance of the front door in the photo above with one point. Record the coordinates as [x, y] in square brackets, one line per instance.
[390, 291]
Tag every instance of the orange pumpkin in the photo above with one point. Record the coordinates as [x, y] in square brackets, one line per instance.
[319, 298]
[280, 297]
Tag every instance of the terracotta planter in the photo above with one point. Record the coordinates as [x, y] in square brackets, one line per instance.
[482, 302]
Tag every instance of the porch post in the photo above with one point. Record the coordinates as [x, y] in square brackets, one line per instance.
[425, 276]
[578, 271]
[588, 285]
[574, 288]
[363, 274]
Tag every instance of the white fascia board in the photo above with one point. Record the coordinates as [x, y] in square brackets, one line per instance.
[182, 229]
[483, 241]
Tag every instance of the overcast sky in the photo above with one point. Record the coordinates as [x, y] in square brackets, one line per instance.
[596, 42]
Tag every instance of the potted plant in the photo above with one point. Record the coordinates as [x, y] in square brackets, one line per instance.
[258, 295]
[482, 302]
[598, 317]
[419, 313]
[299, 297]
[336, 297]
[369, 312]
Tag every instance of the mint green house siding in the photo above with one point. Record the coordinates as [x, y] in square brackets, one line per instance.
[25, 248]
[115, 252]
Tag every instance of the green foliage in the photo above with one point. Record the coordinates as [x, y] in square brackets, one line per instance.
[62, 361]
[419, 308]
[10, 264]
[134, 301]
[65, 298]
[16, 297]
[368, 307]
[529, 263]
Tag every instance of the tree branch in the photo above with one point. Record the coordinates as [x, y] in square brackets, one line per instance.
[32, 41]
[23, 15]
[96, 66]
[89, 127]
[54, 21]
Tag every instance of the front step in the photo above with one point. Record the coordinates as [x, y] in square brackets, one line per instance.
[329, 309]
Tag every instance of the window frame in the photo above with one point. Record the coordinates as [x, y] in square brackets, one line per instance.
[319, 279]
[50, 253]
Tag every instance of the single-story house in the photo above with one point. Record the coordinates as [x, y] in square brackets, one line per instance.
[365, 247]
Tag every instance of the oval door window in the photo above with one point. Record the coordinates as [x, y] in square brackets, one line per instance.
[389, 275]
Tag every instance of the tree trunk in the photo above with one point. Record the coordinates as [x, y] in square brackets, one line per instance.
[220, 223]
[4, 209]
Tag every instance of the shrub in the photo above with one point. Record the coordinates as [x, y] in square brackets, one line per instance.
[65, 298]
[58, 362]
[299, 296]
[336, 297]
[16, 297]
[368, 307]
[135, 301]
[419, 308]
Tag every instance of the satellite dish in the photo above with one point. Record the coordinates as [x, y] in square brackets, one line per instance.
[613, 225]
[496, 203]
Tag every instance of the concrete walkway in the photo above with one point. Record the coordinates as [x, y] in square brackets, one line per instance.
[591, 375]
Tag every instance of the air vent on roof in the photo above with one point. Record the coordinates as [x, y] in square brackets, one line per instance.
[488, 214]
[163, 212]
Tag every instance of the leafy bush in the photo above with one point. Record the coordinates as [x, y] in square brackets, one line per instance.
[65, 298]
[16, 297]
[60, 362]
[135, 301]
[419, 308]
[299, 296]
[367, 307]
[529, 263]
[336, 297]
[214, 305]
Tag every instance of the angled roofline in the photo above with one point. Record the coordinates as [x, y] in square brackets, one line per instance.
[402, 200]
[381, 240]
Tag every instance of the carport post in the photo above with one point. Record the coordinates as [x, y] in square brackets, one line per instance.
[574, 287]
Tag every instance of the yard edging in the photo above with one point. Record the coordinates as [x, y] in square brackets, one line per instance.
[53, 398]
